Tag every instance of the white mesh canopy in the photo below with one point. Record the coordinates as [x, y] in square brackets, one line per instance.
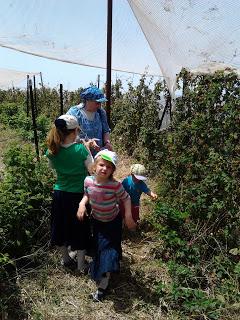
[75, 31]
[190, 33]
[172, 33]
[12, 78]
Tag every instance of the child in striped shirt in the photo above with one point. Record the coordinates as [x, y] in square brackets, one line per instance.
[103, 193]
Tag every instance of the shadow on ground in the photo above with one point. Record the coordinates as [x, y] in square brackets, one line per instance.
[10, 301]
[127, 289]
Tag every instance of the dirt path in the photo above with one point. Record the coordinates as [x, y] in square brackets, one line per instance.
[55, 293]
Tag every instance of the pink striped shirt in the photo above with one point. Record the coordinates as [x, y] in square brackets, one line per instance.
[104, 198]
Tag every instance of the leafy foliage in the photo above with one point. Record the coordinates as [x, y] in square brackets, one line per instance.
[200, 187]
[136, 124]
[24, 205]
[197, 163]
[24, 202]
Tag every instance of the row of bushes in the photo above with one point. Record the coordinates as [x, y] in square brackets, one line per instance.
[25, 197]
[198, 168]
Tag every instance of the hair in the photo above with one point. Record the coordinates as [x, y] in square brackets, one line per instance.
[55, 137]
[94, 165]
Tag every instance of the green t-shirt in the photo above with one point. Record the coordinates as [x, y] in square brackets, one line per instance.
[70, 167]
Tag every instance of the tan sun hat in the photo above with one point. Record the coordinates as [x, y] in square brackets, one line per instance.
[139, 171]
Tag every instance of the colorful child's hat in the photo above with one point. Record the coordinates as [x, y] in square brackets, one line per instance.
[139, 171]
[107, 155]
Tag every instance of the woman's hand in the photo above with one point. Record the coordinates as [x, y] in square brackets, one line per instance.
[108, 145]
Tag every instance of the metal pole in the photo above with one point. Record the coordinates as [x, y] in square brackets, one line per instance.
[43, 89]
[98, 80]
[33, 119]
[41, 80]
[61, 99]
[109, 60]
[27, 95]
[35, 96]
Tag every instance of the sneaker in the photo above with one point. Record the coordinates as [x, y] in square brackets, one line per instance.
[73, 255]
[85, 271]
[99, 295]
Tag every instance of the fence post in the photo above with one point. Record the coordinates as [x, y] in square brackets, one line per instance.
[34, 119]
[27, 96]
[61, 99]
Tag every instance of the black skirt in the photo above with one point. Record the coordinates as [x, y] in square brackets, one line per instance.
[66, 229]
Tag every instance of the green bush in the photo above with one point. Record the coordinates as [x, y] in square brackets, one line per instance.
[24, 201]
[197, 164]
[198, 215]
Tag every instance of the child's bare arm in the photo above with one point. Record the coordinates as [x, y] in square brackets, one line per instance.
[152, 195]
[128, 214]
[82, 207]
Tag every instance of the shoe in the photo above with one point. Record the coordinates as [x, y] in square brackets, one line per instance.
[99, 295]
[85, 271]
[73, 255]
[71, 264]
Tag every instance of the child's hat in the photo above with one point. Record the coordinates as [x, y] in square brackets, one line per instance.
[139, 171]
[66, 121]
[107, 155]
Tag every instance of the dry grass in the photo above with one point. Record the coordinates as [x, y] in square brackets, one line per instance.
[55, 293]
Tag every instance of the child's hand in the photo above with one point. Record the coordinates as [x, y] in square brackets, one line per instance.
[130, 223]
[81, 212]
[153, 196]
[93, 144]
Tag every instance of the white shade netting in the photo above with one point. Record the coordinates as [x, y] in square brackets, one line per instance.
[76, 32]
[12, 78]
[157, 36]
[190, 33]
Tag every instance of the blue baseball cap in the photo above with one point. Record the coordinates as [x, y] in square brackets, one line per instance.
[94, 94]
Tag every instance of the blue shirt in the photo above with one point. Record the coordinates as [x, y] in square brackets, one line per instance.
[135, 190]
[91, 128]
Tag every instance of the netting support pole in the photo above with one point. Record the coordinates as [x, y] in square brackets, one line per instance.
[34, 119]
[109, 61]
[35, 96]
[61, 99]
[168, 105]
[98, 80]
[43, 89]
[27, 96]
